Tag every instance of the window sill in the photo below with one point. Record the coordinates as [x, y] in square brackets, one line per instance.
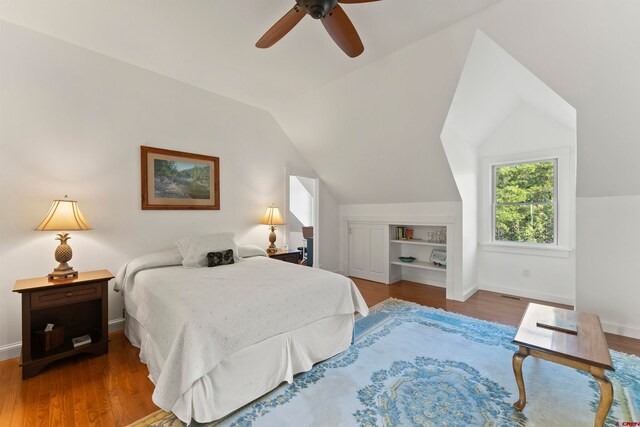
[524, 249]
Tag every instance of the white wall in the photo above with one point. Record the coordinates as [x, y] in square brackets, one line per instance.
[328, 233]
[608, 277]
[373, 135]
[395, 107]
[72, 122]
[463, 161]
[388, 115]
[528, 130]
[497, 111]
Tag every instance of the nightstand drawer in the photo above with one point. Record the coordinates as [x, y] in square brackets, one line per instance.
[286, 256]
[66, 295]
[292, 258]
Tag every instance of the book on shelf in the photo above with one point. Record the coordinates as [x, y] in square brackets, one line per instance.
[80, 341]
[404, 233]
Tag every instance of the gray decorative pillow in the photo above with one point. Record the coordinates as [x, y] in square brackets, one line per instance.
[215, 259]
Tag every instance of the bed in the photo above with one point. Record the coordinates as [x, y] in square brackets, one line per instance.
[214, 339]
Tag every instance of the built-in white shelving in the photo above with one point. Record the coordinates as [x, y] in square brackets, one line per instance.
[375, 248]
[420, 246]
[425, 265]
[419, 242]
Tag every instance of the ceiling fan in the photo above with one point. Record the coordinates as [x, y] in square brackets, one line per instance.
[332, 16]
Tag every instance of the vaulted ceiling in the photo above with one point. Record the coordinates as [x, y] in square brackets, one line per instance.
[370, 126]
[210, 44]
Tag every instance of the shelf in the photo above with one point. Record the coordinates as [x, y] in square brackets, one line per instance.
[67, 349]
[420, 264]
[419, 242]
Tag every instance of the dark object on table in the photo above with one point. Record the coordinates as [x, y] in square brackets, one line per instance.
[406, 258]
[568, 326]
[50, 339]
[307, 256]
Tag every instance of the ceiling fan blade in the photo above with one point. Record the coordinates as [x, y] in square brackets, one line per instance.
[356, 1]
[342, 31]
[281, 28]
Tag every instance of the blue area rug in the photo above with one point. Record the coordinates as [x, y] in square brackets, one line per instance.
[414, 365]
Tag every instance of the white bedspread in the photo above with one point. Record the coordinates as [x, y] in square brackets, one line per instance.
[198, 317]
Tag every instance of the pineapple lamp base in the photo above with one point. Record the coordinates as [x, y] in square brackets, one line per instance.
[62, 272]
[63, 255]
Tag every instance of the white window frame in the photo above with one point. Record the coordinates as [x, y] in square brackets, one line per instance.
[494, 203]
[564, 200]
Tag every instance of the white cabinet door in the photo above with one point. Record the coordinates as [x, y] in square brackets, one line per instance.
[369, 252]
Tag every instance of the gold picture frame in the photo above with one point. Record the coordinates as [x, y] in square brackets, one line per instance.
[179, 180]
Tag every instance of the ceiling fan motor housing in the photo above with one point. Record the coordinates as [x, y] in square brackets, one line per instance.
[317, 8]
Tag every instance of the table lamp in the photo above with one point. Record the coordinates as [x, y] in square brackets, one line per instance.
[64, 215]
[272, 218]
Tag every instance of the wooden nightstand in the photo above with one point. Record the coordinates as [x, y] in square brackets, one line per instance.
[77, 306]
[287, 256]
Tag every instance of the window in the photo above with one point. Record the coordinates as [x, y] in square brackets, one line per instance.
[525, 202]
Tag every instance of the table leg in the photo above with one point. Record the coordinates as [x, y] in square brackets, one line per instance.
[606, 396]
[518, 358]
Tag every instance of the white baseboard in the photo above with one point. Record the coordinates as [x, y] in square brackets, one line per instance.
[394, 279]
[527, 294]
[420, 277]
[469, 292]
[11, 351]
[627, 331]
[116, 325]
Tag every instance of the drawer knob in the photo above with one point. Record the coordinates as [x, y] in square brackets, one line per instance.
[69, 294]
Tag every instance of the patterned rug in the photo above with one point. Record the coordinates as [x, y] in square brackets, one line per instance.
[414, 365]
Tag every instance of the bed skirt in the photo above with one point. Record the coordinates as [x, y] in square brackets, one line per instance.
[252, 371]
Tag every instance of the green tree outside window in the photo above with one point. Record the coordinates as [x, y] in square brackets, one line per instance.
[524, 202]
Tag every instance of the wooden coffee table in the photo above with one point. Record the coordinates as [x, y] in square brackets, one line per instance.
[587, 350]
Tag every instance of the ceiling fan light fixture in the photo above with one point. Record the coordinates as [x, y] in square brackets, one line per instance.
[317, 11]
[332, 16]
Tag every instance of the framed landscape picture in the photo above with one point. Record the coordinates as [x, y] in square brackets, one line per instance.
[178, 180]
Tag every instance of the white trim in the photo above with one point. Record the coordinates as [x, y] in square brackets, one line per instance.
[316, 223]
[315, 215]
[565, 203]
[524, 249]
[395, 278]
[11, 351]
[400, 219]
[616, 329]
[470, 292]
[554, 204]
[420, 277]
[115, 325]
[527, 294]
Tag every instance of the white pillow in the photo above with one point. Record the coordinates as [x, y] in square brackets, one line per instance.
[194, 249]
[246, 250]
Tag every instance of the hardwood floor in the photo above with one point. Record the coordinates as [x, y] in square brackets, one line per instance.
[113, 390]
[109, 390]
[482, 305]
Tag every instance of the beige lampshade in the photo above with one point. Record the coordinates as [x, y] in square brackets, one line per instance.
[272, 216]
[64, 215]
